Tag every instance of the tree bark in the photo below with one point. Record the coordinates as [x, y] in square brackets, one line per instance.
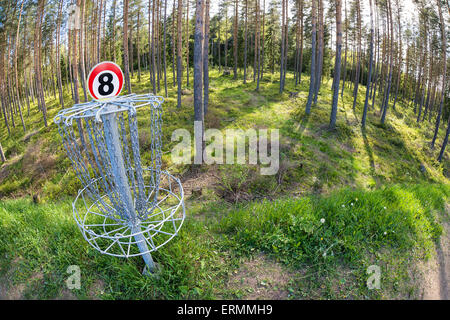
[444, 73]
[205, 60]
[179, 50]
[125, 46]
[358, 63]
[337, 64]
[313, 58]
[198, 67]
[15, 66]
[187, 44]
[369, 75]
[235, 39]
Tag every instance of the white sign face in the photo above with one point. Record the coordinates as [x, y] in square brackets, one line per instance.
[105, 80]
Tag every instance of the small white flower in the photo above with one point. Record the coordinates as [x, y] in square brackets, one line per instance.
[324, 254]
[351, 204]
[322, 220]
[384, 208]
[385, 233]
[343, 206]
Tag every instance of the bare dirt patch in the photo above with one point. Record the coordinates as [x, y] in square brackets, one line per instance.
[96, 289]
[435, 278]
[194, 181]
[261, 278]
[8, 290]
[38, 163]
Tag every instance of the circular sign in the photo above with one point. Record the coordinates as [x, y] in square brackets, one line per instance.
[105, 80]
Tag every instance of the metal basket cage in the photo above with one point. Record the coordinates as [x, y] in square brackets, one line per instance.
[122, 202]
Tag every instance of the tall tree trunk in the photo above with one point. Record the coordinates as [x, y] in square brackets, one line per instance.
[138, 40]
[179, 50]
[125, 46]
[369, 75]
[400, 54]
[345, 54]
[198, 67]
[358, 64]
[37, 59]
[164, 51]
[444, 73]
[100, 25]
[245, 40]
[187, 44]
[337, 64]
[263, 39]
[114, 30]
[283, 42]
[226, 36]
[257, 46]
[388, 89]
[205, 60]
[173, 44]
[15, 66]
[235, 39]
[319, 62]
[313, 58]
[82, 62]
[153, 47]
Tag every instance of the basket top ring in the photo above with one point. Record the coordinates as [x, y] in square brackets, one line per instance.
[97, 108]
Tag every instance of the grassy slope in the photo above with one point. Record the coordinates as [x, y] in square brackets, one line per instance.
[322, 166]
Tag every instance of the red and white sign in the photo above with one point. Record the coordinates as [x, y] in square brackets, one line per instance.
[105, 80]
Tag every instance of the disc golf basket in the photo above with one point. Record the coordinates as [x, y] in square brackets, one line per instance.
[124, 208]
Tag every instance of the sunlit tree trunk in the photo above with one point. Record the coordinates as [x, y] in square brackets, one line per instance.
[179, 50]
[235, 39]
[345, 54]
[400, 54]
[263, 38]
[388, 89]
[245, 40]
[100, 25]
[283, 4]
[82, 62]
[37, 59]
[257, 45]
[205, 60]
[313, 58]
[444, 73]
[198, 81]
[337, 64]
[369, 75]
[173, 44]
[187, 44]
[125, 46]
[165, 46]
[358, 63]
[15, 66]
[138, 40]
[319, 54]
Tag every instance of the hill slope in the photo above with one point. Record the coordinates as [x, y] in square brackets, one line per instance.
[344, 176]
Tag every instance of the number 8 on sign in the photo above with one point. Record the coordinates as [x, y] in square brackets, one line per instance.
[105, 80]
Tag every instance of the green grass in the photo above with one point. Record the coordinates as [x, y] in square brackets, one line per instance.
[391, 226]
[322, 173]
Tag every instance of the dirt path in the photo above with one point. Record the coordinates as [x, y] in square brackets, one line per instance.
[437, 278]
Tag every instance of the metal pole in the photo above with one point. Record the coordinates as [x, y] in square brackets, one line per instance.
[121, 181]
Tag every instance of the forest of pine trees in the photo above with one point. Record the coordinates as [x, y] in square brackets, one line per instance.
[374, 47]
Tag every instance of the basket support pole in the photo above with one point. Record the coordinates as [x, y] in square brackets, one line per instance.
[121, 182]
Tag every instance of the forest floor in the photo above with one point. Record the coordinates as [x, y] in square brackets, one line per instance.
[381, 192]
